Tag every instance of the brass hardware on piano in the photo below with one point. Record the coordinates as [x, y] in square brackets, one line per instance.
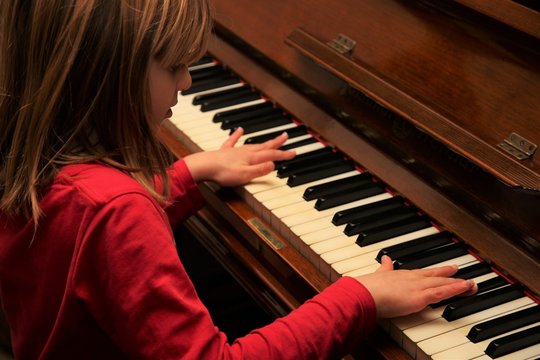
[519, 147]
[342, 44]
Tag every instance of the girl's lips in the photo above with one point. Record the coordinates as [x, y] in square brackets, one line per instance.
[169, 113]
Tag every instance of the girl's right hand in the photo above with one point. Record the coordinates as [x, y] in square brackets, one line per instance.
[402, 292]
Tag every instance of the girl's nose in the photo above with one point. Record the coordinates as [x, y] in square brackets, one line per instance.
[184, 79]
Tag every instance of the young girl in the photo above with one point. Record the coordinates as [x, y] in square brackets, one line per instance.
[88, 266]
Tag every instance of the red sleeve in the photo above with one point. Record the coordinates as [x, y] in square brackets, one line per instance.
[185, 197]
[130, 278]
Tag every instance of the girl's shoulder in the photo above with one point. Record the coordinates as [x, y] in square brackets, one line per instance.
[99, 182]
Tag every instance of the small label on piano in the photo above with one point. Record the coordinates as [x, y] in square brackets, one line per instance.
[267, 234]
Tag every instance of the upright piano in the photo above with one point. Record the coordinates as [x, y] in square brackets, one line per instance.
[416, 124]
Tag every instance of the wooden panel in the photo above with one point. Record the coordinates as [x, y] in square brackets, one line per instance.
[483, 79]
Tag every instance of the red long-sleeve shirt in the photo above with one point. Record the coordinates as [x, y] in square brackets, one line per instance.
[101, 279]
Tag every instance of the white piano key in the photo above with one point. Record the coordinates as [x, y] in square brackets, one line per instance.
[286, 200]
[454, 339]
[214, 144]
[349, 258]
[469, 350]
[286, 190]
[202, 66]
[313, 220]
[265, 182]
[414, 335]
[196, 118]
[185, 102]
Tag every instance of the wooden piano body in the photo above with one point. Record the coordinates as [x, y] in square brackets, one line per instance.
[429, 100]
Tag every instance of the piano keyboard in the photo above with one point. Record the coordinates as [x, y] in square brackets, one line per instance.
[343, 220]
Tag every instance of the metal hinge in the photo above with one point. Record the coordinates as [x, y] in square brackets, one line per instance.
[342, 44]
[518, 146]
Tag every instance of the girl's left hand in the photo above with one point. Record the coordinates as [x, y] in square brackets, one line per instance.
[233, 166]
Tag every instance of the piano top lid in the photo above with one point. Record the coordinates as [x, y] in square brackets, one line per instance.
[451, 68]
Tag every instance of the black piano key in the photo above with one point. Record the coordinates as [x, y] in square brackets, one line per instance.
[483, 301]
[430, 257]
[490, 284]
[483, 286]
[504, 324]
[372, 209]
[317, 191]
[362, 192]
[223, 94]
[209, 84]
[293, 145]
[207, 73]
[292, 133]
[309, 176]
[238, 119]
[334, 159]
[403, 227]
[313, 162]
[225, 98]
[267, 124]
[380, 220]
[303, 157]
[513, 342]
[206, 59]
[244, 112]
[416, 246]
[250, 121]
[472, 271]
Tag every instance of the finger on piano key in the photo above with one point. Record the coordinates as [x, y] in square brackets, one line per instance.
[491, 284]
[481, 301]
[271, 180]
[197, 123]
[216, 144]
[247, 112]
[460, 261]
[269, 123]
[299, 130]
[456, 342]
[430, 257]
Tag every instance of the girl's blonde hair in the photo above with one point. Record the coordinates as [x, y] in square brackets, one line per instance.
[74, 87]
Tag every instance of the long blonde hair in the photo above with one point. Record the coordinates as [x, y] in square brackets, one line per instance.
[74, 87]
